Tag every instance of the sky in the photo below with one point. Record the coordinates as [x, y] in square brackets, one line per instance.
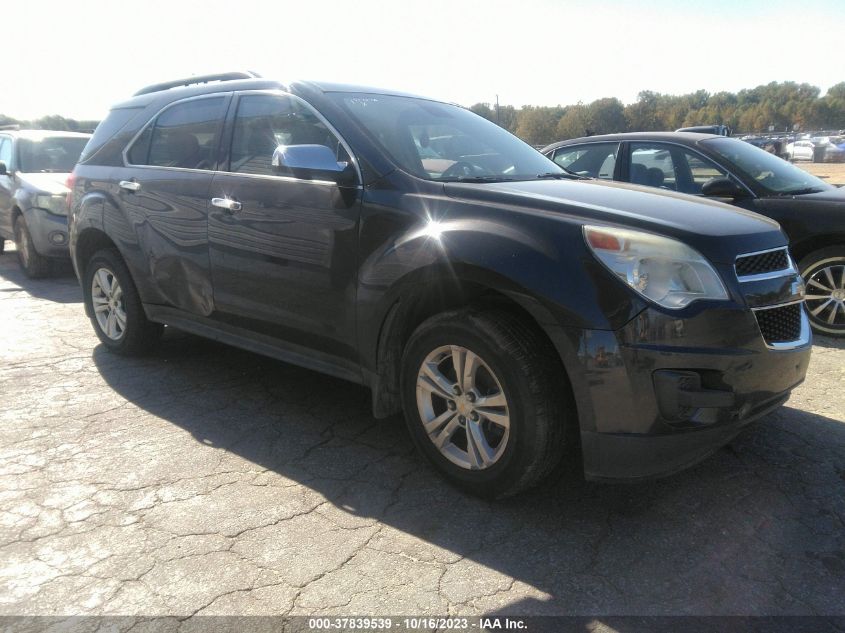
[78, 58]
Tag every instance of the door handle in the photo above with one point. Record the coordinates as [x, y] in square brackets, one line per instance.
[227, 203]
[130, 185]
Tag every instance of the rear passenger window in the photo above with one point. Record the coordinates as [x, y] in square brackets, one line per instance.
[111, 125]
[184, 136]
[264, 122]
[652, 165]
[597, 160]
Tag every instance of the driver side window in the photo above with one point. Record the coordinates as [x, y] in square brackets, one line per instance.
[263, 122]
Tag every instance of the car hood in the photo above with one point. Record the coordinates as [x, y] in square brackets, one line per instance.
[717, 230]
[46, 182]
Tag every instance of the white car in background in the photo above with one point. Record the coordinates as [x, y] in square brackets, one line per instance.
[800, 150]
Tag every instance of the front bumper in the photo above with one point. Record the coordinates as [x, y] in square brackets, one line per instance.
[663, 393]
[49, 232]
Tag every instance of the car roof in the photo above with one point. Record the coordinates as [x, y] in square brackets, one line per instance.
[177, 92]
[689, 138]
[37, 135]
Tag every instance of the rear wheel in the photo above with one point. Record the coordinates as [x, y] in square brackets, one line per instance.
[482, 399]
[33, 264]
[824, 276]
[117, 313]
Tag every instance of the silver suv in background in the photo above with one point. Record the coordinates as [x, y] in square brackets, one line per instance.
[34, 166]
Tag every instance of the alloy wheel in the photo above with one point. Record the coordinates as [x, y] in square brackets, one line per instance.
[463, 407]
[826, 296]
[107, 301]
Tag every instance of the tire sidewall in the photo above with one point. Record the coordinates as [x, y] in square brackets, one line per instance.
[22, 235]
[490, 481]
[810, 265]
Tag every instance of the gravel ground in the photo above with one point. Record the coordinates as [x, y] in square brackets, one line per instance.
[834, 173]
[203, 479]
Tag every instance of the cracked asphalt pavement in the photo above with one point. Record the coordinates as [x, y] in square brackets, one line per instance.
[207, 480]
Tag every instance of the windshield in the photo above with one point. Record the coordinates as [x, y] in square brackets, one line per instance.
[50, 154]
[772, 173]
[443, 142]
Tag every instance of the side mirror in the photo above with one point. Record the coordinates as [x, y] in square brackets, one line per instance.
[312, 162]
[3, 170]
[722, 188]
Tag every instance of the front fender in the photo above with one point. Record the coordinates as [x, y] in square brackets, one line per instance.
[541, 259]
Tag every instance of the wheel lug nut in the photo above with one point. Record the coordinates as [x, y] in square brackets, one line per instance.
[462, 419]
[470, 396]
[456, 390]
[474, 416]
[451, 405]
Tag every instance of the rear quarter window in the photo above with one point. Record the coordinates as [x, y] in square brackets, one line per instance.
[108, 127]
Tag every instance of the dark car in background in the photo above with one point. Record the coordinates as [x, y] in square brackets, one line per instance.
[34, 166]
[511, 310]
[810, 211]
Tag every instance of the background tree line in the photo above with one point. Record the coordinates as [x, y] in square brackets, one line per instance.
[51, 122]
[782, 105]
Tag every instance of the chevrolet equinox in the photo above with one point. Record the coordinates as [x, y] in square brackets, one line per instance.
[514, 312]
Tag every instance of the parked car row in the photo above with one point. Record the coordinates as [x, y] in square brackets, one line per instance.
[518, 309]
[810, 211]
[820, 150]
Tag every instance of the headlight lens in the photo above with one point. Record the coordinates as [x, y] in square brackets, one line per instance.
[53, 203]
[661, 269]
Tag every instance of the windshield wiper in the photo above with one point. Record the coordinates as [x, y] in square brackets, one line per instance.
[478, 179]
[800, 192]
[569, 175]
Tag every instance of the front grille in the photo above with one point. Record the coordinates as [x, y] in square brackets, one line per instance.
[781, 324]
[761, 263]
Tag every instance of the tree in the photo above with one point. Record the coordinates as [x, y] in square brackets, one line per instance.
[538, 125]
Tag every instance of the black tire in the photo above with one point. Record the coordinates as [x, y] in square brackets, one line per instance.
[813, 269]
[34, 265]
[2, 245]
[139, 335]
[530, 376]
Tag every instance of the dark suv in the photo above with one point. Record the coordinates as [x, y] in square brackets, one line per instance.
[34, 165]
[513, 311]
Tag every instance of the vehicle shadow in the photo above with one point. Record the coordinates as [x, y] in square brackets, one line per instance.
[755, 529]
[61, 286]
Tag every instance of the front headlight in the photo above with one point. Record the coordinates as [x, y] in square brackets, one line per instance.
[661, 269]
[56, 203]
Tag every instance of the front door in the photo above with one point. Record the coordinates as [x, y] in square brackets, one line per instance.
[284, 256]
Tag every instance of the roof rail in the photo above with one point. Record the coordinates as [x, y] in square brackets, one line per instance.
[11, 126]
[197, 79]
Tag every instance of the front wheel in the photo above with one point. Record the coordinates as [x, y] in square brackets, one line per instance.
[824, 276]
[33, 264]
[115, 307]
[482, 395]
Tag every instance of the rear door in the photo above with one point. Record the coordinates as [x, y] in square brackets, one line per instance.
[163, 192]
[284, 260]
